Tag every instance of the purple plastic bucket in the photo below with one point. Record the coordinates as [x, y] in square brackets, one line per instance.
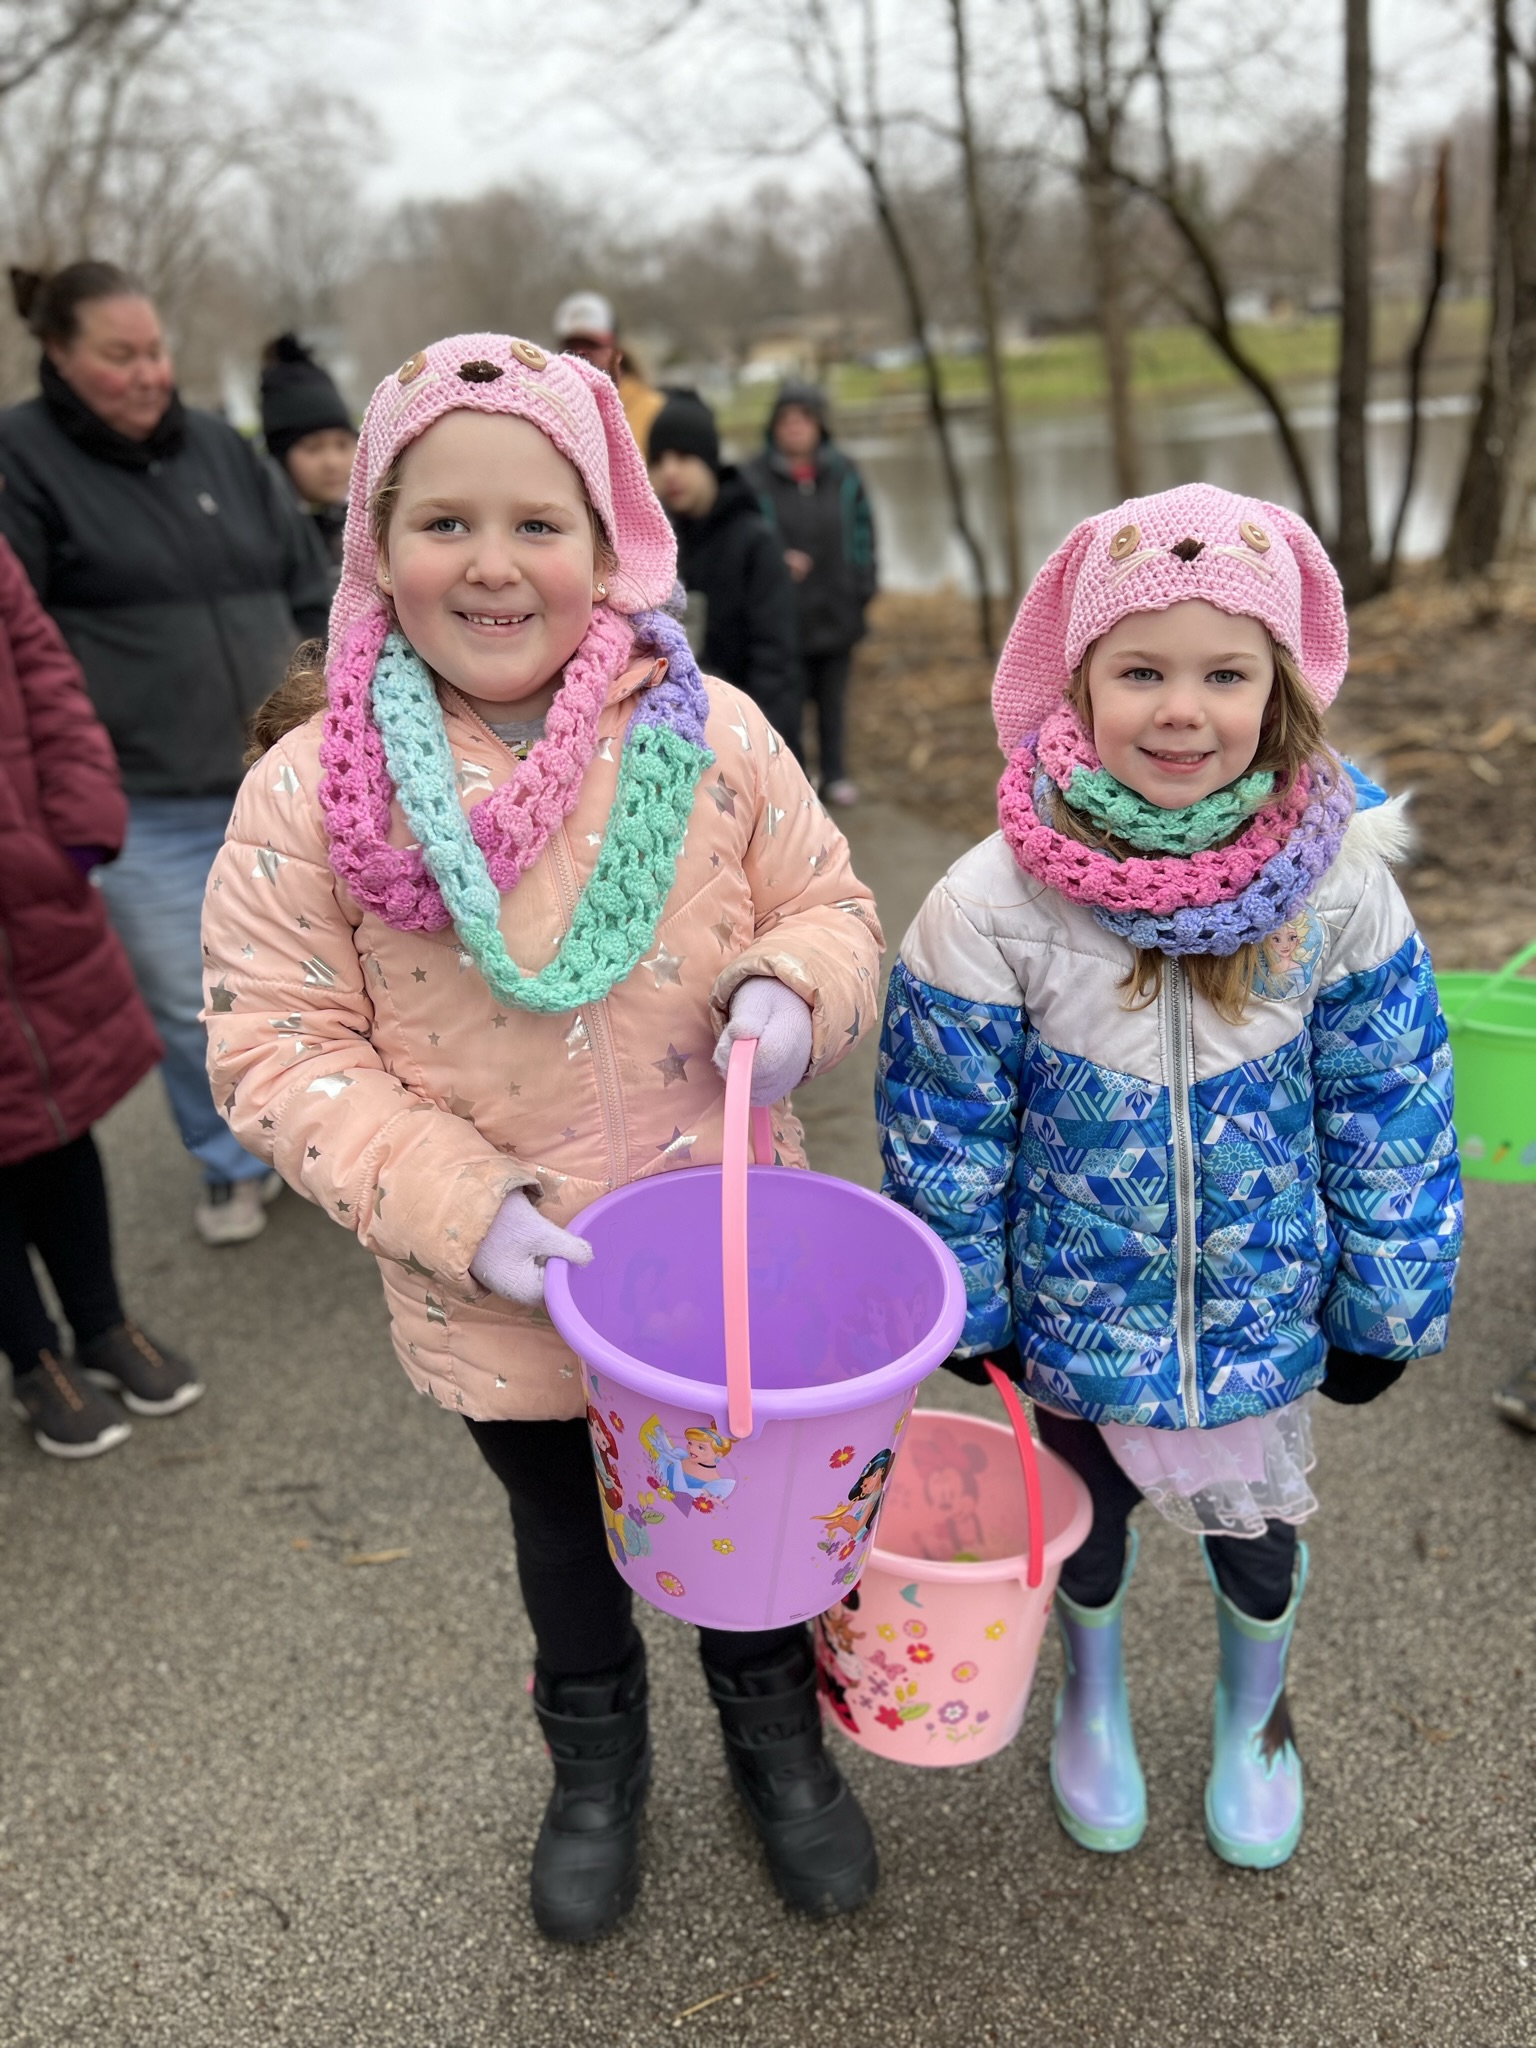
[850, 1302]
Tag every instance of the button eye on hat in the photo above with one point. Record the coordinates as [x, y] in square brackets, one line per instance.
[1255, 536]
[528, 355]
[1125, 542]
[412, 367]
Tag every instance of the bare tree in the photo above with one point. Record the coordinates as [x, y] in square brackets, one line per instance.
[1477, 524]
[986, 306]
[1096, 89]
[1418, 354]
[1352, 546]
[35, 35]
[851, 99]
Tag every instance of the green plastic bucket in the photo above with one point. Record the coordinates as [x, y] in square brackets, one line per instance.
[1492, 1022]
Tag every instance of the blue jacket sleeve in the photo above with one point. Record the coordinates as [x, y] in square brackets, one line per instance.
[1391, 1181]
[947, 1100]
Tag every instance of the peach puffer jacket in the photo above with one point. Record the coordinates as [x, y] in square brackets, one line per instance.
[376, 1072]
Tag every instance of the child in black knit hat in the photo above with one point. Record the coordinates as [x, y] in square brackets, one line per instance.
[309, 432]
[741, 603]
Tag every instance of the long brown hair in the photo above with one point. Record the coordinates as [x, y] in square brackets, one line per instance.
[301, 693]
[1290, 736]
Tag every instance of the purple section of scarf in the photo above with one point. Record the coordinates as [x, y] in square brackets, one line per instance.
[1282, 885]
[678, 701]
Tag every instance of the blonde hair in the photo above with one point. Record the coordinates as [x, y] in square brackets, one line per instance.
[301, 693]
[1291, 735]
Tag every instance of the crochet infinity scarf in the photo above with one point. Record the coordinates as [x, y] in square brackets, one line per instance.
[1082, 781]
[1211, 901]
[463, 864]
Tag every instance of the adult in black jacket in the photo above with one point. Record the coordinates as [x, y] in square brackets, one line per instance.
[182, 574]
[814, 498]
[741, 603]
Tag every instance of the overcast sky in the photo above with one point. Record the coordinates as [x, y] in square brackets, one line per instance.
[471, 93]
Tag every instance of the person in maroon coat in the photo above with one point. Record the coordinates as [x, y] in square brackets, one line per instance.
[74, 1038]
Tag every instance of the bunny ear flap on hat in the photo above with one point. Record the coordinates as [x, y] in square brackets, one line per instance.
[1034, 670]
[1323, 655]
[642, 536]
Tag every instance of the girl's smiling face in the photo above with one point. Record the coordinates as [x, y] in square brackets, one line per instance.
[489, 558]
[1177, 700]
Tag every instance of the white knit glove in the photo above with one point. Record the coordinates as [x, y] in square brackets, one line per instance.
[511, 1257]
[775, 1016]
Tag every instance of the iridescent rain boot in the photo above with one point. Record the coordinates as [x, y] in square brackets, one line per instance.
[1253, 1794]
[1096, 1781]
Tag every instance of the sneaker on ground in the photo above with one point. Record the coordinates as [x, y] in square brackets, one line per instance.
[1516, 1399]
[843, 793]
[234, 1211]
[149, 1379]
[69, 1418]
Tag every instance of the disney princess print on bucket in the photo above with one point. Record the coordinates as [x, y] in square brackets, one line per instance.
[839, 1667]
[627, 1527]
[851, 1523]
[688, 1474]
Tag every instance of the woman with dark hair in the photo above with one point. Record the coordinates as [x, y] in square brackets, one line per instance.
[181, 574]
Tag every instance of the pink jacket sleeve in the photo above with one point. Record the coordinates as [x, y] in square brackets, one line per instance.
[293, 1069]
[817, 931]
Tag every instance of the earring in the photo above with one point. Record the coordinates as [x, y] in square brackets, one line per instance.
[601, 592]
[384, 579]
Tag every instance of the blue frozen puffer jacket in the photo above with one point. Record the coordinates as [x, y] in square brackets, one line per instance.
[1175, 1215]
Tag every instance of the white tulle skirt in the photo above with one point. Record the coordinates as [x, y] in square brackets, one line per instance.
[1228, 1481]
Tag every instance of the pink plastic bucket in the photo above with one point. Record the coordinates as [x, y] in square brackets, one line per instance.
[929, 1660]
[749, 1506]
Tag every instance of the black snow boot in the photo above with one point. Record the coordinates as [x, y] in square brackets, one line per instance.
[586, 1862]
[821, 1853]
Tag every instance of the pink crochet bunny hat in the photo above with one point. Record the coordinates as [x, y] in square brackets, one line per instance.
[1240, 554]
[566, 399]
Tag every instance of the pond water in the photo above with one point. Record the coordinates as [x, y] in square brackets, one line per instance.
[1066, 473]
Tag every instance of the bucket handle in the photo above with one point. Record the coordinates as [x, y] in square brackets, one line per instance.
[741, 1121]
[1033, 1504]
[1507, 972]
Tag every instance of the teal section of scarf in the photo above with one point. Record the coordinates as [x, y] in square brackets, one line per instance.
[1095, 794]
[617, 914]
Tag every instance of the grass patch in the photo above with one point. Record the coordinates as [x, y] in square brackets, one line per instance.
[1169, 362]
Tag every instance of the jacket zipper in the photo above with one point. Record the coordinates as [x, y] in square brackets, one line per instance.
[34, 1044]
[599, 1030]
[1178, 1064]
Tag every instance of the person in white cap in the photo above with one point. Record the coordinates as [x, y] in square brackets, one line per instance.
[585, 326]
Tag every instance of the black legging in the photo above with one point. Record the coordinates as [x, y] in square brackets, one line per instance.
[57, 1202]
[1255, 1572]
[576, 1601]
[826, 686]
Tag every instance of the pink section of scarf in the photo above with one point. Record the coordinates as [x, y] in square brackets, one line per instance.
[1156, 885]
[512, 826]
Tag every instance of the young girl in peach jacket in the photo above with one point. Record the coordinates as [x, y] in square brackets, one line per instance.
[476, 947]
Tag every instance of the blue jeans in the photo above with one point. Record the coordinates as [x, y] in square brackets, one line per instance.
[154, 894]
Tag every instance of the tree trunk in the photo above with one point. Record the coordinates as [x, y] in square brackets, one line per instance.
[986, 304]
[938, 409]
[1477, 524]
[1418, 355]
[1103, 201]
[1352, 546]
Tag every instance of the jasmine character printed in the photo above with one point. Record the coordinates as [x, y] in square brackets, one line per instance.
[852, 1522]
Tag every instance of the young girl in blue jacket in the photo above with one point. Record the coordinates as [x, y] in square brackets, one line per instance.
[1164, 1065]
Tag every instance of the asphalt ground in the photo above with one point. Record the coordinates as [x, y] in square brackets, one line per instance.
[258, 1789]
